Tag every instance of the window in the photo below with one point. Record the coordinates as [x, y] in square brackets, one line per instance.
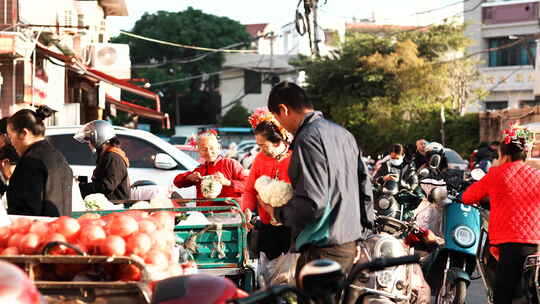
[496, 105]
[535, 151]
[529, 103]
[141, 153]
[74, 152]
[515, 55]
[252, 82]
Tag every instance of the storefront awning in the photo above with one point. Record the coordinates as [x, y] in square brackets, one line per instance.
[139, 110]
[75, 65]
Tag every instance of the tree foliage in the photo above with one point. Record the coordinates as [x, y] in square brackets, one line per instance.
[388, 89]
[189, 27]
[237, 116]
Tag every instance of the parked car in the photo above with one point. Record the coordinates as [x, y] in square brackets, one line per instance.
[245, 147]
[151, 158]
[455, 161]
[191, 151]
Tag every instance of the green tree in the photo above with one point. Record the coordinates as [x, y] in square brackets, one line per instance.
[237, 116]
[388, 89]
[169, 63]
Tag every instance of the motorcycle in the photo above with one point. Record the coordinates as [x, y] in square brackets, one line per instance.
[397, 199]
[402, 284]
[322, 281]
[449, 268]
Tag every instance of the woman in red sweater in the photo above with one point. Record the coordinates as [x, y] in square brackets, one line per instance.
[273, 162]
[514, 221]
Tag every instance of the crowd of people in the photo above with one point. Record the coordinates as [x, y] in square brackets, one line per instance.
[331, 209]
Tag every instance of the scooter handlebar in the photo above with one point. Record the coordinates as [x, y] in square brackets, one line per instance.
[270, 292]
[382, 263]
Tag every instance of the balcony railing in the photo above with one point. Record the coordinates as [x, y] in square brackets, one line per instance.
[499, 12]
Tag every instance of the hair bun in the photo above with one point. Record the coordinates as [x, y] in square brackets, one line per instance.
[43, 112]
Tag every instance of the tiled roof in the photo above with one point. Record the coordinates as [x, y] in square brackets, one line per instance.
[255, 29]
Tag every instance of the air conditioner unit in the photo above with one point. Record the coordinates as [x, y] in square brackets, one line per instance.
[68, 19]
[110, 58]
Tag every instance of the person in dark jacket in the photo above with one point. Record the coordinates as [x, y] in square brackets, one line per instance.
[8, 156]
[42, 181]
[332, 205]
[396, 169]
[111, 174]
[485, 155]
[421, 159]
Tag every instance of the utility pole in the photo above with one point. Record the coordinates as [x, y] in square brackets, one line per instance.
[272, 36]
[316, 39]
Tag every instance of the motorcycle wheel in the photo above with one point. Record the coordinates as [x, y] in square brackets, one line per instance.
[452, 293]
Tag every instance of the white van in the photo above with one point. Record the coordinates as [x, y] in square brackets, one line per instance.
[150, 157]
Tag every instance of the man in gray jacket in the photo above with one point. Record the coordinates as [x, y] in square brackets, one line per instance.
[332, 206]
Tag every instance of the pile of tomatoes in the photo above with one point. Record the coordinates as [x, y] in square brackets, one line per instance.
[148, 236]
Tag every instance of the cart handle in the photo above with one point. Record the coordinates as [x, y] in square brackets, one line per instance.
[51, 245]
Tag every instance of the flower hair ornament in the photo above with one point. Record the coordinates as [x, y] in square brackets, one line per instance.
[262, 114]
[520, 136]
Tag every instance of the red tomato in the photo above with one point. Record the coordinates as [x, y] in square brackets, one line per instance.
[129, 272]
[157, 258]
[40, 228]
[92, 236]
[159, 239]
[55, 237]
[113, 246]
[29, 244]
[137, 214]
[139, 244]
[5, 233]
[10, 251]
[123, 225]
[14, 240]
[147, 226]
[164, 219]
[89, 216]
[21, 225]
[67, 226]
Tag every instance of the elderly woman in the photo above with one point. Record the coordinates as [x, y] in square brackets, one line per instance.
[226, 171]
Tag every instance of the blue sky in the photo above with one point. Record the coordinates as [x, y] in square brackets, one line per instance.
[282, 11]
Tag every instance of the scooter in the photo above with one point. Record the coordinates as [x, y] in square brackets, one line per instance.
[449, 268]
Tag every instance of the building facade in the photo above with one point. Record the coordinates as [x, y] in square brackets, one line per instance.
[56, 53]
[502, 33]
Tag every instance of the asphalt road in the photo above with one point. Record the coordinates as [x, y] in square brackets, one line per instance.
[476, 293]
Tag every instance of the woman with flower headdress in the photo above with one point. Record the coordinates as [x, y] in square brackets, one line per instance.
[514, 221]
[273, 162]
[225, 171]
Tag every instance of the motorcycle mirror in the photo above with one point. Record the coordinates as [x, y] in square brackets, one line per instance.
[321, 278]
[390, 187]
[435, 161]
[424, 173]
[477, 174]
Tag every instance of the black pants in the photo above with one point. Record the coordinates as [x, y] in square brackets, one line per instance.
[509, 274]
[272, 240]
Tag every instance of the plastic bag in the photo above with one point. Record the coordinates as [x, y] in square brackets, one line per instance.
[429, 216]
[280, 270]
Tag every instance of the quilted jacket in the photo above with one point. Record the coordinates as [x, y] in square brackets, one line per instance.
[514, 192]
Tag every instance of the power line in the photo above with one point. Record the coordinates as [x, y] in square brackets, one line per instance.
[183, 45]
[183, 61]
